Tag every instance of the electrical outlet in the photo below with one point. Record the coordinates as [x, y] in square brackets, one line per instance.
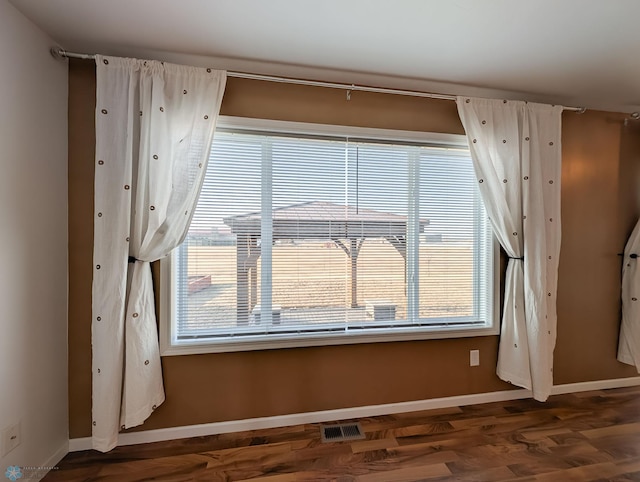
[10, 438]
[474, 358]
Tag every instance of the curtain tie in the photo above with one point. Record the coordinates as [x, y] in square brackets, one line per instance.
[510, 257]
[133, 259]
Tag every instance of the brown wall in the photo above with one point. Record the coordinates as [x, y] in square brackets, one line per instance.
[599, 208]
[82, 141]
[600, 204]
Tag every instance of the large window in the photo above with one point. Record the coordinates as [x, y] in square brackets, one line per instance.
[317, 235]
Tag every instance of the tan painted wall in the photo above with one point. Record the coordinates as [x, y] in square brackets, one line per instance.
[600, 204]
[231, 386]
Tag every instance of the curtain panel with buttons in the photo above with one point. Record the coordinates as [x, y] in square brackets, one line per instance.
[154, 128]
[629, 343]
[515, 147]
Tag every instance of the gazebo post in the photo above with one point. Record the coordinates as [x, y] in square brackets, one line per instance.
[400, 243]
[242, 279]
[354, 273]
[253, 255]
[352, 253]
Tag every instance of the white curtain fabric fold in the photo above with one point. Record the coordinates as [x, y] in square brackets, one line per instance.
[154, 128]
[629, 343]
[515, 147]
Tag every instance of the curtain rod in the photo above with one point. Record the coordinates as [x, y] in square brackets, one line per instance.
[61, 53]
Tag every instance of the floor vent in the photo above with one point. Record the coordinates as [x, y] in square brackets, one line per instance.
[341, 432]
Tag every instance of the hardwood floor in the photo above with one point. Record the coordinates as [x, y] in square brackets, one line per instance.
[589, 436]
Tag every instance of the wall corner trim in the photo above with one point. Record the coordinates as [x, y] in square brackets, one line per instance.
[172, 433]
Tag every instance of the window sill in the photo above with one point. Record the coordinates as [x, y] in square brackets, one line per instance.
[324, 339]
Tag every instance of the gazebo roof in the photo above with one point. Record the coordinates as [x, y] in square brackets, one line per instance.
[324, 220]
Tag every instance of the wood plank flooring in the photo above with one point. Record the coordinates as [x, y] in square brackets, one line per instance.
[589, 436]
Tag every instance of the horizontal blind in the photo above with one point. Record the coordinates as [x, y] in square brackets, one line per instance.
[361, 236]
[310, 273]
[454, 242]
[208, 263]
[377, 190]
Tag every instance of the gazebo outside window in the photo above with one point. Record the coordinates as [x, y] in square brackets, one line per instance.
[346, 226]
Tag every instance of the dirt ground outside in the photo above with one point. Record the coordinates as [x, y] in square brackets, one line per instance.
[316, 277]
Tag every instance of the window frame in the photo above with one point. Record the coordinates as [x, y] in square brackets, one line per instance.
[167, 305]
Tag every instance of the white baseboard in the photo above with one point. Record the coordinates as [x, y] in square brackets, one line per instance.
[201, 430]
[597, 385]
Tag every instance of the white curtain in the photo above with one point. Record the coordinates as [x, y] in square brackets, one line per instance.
[154, 128]
[515, 147]
[629, 344]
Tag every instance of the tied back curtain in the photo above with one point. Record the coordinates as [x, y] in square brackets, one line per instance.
[515, 147]
[154, 128]
[629, 343]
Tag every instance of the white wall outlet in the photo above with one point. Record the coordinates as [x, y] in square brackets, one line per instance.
[10, 438]
[474, 358]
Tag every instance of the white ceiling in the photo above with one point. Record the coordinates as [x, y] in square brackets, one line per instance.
[575, 52]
